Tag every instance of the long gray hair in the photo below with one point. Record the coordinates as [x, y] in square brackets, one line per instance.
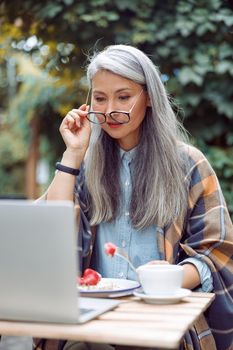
[159, 192]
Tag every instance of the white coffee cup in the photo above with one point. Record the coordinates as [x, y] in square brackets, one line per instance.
[160, 279]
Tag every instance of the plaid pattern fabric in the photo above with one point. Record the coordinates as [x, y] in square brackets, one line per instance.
[205, 232]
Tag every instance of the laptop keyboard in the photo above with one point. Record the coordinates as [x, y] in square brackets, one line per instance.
[84, 310]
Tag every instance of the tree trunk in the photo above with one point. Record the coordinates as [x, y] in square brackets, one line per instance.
[31, 163]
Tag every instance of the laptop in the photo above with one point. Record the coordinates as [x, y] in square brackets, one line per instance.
[39, 265]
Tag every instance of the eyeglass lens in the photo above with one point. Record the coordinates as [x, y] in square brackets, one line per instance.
[100, 118]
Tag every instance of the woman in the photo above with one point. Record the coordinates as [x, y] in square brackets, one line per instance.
[143, 187]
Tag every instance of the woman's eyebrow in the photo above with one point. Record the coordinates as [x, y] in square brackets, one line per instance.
[123, 89]
[117, 91]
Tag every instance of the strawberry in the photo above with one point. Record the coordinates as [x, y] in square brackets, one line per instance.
[90, 278]
[110, 248]
[81, 281]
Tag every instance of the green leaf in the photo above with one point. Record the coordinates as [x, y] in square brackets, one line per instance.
[224, 67]
[230, 139]
[50, 10]
[226, 108]
[225, 16]
[184, 26]
[68, 2]
[204, 28]
[188, 75]
[225, 50]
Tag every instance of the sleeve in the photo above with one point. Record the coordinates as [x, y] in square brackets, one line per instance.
[204, 273]
[85, 237]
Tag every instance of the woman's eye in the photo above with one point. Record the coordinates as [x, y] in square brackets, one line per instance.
[99, 99]
[124, 98]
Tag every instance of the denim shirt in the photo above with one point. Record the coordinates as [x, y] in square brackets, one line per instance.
[141, 245]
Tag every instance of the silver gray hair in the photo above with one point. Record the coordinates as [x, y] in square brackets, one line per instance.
[159, 192]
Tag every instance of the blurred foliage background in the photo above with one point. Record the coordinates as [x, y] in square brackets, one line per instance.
[43, 49]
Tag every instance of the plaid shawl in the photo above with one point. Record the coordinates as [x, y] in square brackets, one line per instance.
[204, 232]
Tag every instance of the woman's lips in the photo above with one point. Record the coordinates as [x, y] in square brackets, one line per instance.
[114, 125]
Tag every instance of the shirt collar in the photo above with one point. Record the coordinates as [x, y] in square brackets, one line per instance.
[128, 155]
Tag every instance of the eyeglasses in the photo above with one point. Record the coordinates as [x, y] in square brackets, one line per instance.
[120, 117]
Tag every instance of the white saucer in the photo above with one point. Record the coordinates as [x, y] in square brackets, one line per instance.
[163, 299]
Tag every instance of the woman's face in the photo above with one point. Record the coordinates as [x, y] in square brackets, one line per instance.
[112, 92]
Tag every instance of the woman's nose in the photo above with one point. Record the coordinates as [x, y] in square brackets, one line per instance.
[109, 108]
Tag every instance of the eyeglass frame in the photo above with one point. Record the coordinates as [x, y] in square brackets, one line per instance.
[117, 111]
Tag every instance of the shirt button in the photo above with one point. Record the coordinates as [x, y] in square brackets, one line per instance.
[123, 243]
[127, 183]
[121, 274]
[126, 213]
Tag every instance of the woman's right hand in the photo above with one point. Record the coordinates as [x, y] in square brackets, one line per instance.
[76, 129]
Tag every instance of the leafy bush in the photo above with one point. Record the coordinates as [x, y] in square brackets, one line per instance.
[190, 41]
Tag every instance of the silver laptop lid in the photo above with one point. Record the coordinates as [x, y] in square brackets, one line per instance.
[38, 261]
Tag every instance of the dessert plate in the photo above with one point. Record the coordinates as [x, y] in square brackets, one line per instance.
[110, 287]
[163, 299]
